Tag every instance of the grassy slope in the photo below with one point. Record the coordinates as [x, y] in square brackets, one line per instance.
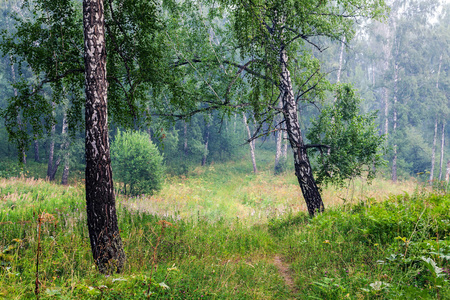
[227, 228]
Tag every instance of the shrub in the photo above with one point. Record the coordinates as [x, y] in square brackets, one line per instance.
[137, 163]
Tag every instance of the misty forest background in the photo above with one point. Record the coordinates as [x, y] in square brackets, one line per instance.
[399, 67]
[208, 203]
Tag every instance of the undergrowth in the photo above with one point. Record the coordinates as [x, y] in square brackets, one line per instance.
[393, 249]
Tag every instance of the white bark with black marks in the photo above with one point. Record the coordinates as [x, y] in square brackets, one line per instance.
[302, 165]
[106, 244]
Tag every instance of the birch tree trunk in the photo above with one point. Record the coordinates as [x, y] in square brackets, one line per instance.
[303, 169]
[185, 146]
[341, 56]
[51, 149]
[106, 244]
[394, 121]
[285, 145]
[251, 143]
[433, 150]
[443, 123]
[206, 139]
[36, 149]
[278, 140]
[19, 121]
[441, 161]
[65, 148]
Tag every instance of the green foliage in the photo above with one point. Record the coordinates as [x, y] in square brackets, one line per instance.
[353, 139]
[137, 163]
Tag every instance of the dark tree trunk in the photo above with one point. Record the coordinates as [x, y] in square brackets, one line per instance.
[106, 244]
[303, 169]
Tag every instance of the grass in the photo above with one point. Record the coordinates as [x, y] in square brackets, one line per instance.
[226, 227]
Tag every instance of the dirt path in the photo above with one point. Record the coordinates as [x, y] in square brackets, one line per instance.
[283, 269]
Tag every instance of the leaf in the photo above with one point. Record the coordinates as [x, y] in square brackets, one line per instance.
[53, 291]
[378, 285]
[432, 267]
[164, 286]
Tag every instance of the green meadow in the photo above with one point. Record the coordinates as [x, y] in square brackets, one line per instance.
[221, 232]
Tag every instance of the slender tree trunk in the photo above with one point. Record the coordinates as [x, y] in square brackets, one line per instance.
[433, 150]
[36, 149]
[251, 143]
[22, 145]
[341, 56]
[205, 153]
[51, 149]
[386, 111]
[285, 145]
[278, 141]
[66, 151]
[394, 121]
[441, 161]
[52, 167]
[106, 244]
[185, 146]
[303, 169]
[443, 122]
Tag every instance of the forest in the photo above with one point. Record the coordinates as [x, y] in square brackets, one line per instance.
[225, 149]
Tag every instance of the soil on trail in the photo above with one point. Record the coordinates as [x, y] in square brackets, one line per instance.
[283, 269]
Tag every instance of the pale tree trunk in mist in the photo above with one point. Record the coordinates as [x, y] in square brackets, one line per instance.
[433, 150]
[394, 121]
[185, 145]
[106, 244]
[66, 151]
[36, 149]
[251, 143]
[278, 141]
[51, 151]
[19, 121]
[206, 139]
[341, 56]
[441, 161]
[387, 48]
[285, 145]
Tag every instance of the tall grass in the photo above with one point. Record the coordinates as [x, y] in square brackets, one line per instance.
[226, 227]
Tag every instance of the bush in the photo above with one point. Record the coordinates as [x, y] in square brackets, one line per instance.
[137, 163]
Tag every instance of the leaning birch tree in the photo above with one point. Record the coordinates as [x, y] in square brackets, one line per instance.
[275, 38]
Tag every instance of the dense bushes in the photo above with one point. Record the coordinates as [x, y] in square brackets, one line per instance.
[136, 163]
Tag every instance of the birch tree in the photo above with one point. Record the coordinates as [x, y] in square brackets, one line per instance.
[274, 38]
